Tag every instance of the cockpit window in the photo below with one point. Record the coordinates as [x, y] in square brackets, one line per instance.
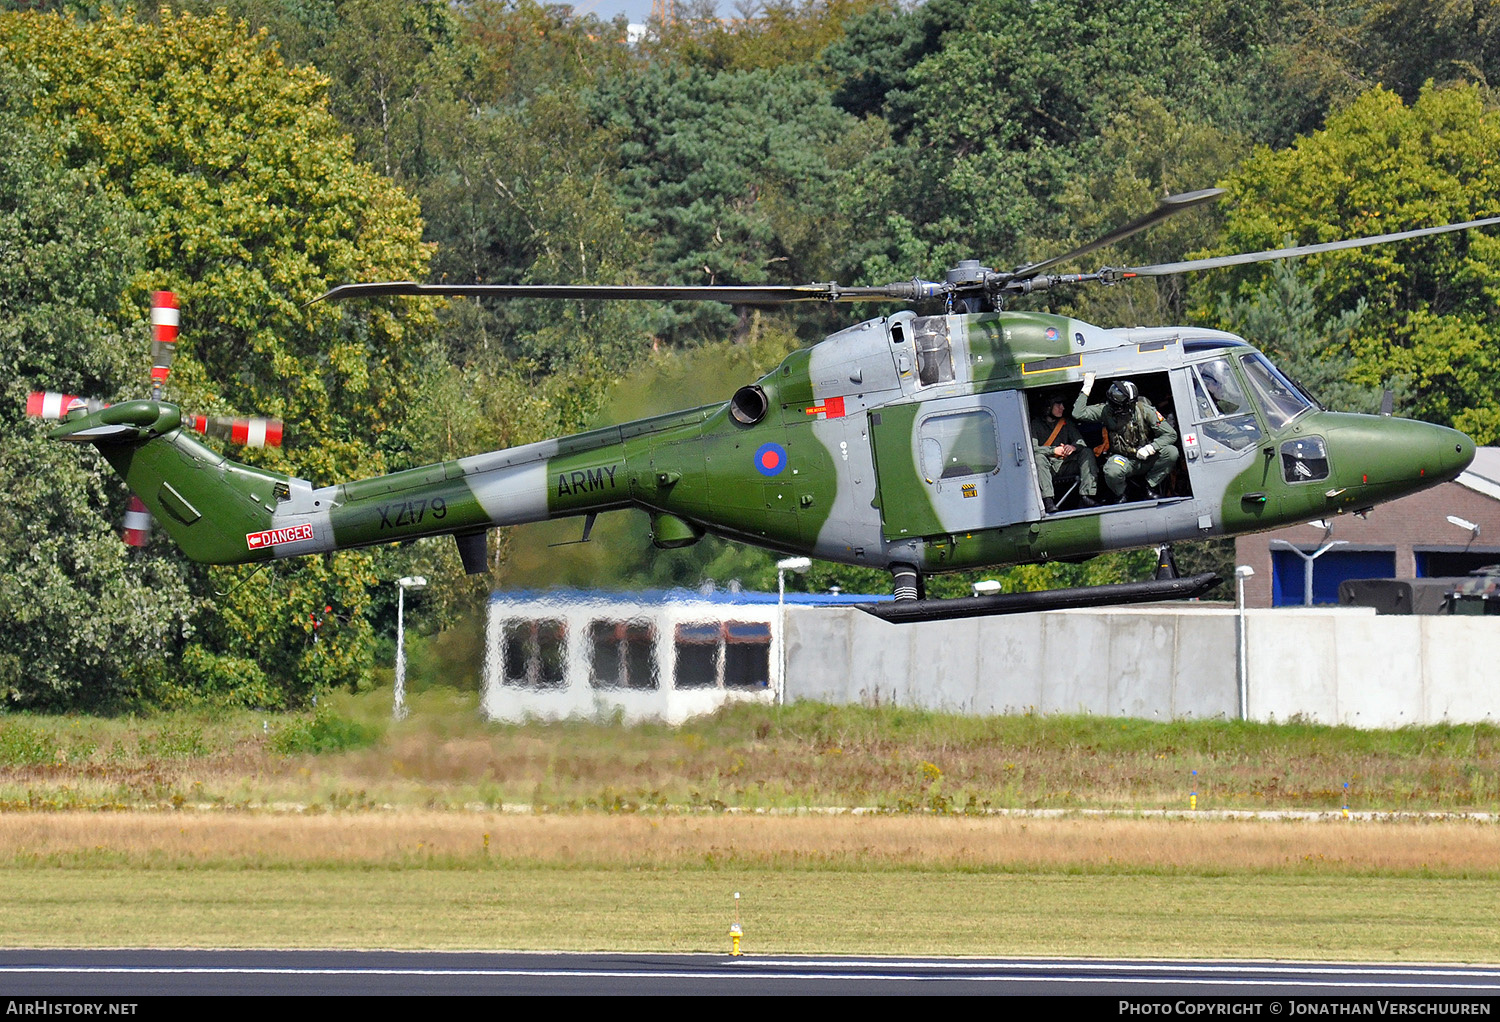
[1280, 399]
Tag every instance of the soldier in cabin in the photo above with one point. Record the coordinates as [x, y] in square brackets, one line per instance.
[1141, 441]
[1062, 454]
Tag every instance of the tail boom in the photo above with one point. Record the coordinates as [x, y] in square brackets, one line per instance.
[223, 512]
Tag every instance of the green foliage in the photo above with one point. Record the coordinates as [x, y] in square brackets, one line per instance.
[84, 615]
[1428, 305]
[323, 732]
[1145, 151]
[1283, 319]
[179, 742]
[24, 745]
[252, 206]
[734, 176]
[248, 203]
[228, 679]
[996, 120]
[782, 32]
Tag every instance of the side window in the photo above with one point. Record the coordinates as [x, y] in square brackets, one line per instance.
[747, 654]
[741, 650]
[1220, 406]
[1217, 391]
[959, 444]
[697, 655]
[1304, 460]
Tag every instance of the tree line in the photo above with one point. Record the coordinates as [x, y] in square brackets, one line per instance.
[248, 154]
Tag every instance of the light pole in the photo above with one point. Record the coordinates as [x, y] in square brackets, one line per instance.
[398, 711]
[1464, 523]
[1241, 573]
[799, 565]
[1307, 563]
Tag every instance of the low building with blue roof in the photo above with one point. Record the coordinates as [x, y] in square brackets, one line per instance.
[656, 654]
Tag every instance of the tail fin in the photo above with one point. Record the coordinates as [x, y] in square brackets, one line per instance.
[208, 504]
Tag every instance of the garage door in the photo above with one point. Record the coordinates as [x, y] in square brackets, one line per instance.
[1328, 571]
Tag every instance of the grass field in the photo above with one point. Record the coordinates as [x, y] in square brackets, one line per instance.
[215, 830]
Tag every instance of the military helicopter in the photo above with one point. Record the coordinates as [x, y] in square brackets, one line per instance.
[901, 442]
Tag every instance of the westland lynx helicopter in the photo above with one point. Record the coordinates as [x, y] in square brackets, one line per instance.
[902, 442]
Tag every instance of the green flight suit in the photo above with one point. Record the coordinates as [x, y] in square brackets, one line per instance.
[1050, 469]
[1130, 429]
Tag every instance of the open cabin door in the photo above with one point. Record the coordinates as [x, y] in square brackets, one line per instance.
[954, 465]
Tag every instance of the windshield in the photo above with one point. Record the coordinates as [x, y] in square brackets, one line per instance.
[1280, 399]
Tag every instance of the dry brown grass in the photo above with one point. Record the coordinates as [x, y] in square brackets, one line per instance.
[465, 840]
[445, 756]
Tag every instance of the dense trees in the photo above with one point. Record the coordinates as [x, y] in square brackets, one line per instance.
[242, 197]
[1422, 312]
[250, 157]
[84, 622]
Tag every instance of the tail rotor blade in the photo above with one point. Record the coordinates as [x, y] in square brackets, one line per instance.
[137, 523]
[247, 431]
[53, 407]
[164, 321]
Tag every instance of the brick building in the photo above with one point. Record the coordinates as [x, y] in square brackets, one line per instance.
[1414, 537]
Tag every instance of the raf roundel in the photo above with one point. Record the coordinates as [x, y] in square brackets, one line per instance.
[770, 459]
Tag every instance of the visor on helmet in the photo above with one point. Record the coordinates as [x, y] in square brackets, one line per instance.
[1122, 392]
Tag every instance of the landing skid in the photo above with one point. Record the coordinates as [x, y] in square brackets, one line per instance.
[908, 611]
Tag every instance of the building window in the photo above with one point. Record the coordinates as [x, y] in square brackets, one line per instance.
[728, 654]
[747, 654]
[698, 655]
[1454, 563]
[624, 654]
[535, 653]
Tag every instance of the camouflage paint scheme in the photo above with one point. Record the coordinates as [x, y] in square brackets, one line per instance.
[898, 441]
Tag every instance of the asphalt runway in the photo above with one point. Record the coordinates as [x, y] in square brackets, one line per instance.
[121, 974]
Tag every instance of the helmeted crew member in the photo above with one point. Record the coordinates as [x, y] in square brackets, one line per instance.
[1062, 453]
[1141, 441]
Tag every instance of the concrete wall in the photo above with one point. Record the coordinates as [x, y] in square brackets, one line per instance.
[1330, 665]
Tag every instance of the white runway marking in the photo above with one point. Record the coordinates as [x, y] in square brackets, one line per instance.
[1234, 976]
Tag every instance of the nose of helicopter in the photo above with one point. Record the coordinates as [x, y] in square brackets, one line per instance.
[1456, 452]
[1398, 456]
[1435, 453]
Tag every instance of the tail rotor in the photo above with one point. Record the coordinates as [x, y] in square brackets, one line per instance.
[244, 431]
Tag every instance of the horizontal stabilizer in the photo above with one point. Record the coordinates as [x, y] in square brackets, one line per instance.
[908, 611]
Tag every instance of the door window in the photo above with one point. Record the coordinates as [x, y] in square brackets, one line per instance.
[959, 444]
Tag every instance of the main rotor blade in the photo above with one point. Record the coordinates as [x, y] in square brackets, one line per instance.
[1168, 207]
[732, 294]
[1214, 262]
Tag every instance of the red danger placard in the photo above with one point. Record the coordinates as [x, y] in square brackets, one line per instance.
[261, 540]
